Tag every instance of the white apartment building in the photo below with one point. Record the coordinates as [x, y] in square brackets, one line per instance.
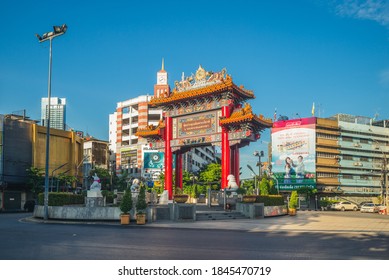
[123, 124]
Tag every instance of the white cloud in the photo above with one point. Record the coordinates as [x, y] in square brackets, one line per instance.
[376, 10]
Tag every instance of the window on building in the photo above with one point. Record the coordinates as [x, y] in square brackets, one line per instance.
[125, 110]
[346, 138]
[347, 157]
[327, 136]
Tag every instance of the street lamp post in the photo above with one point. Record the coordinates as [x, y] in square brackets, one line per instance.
[52, 175]
[57, 31]
[255, 175]
[259, 155]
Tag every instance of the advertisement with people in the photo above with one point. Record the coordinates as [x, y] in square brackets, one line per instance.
[293, 153]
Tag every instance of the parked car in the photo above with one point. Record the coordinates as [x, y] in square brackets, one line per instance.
[370, 208]
[344, 205]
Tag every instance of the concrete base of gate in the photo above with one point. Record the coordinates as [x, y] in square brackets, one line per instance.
[182, 211]
[251, 210]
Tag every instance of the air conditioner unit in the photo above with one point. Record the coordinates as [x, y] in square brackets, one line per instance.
[357, 145]
[356, 163]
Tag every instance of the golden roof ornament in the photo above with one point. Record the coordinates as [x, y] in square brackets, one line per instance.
[200, 74]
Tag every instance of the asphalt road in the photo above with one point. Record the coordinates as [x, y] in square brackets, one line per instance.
[22, 240]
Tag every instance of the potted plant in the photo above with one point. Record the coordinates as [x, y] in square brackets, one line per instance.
[179, 197]
[141, 206]
[293, 202]
[125, 207]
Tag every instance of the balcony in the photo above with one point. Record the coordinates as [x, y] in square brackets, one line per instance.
[333, 124]
[327, 142]
[328, 181]
[333, 162]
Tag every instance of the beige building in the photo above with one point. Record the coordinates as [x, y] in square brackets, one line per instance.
[23, 145]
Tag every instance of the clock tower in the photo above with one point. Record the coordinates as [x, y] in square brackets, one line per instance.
[161, 88]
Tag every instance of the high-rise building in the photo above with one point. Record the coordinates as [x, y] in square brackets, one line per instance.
[57, 112]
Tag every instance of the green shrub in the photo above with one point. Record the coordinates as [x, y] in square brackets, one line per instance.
[327, 202]
[293, 202]
[109, 196]
[141, 204]
[60, 199]
[126, 203]
[270, 200]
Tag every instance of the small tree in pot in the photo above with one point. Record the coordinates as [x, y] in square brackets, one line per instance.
[141, 206]
[125, 207]
[293, 202]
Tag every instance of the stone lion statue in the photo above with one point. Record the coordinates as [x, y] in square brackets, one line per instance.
[232, 185]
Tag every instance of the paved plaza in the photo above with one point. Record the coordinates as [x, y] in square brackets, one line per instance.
[304, 221]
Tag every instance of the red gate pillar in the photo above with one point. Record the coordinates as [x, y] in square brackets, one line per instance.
[178, 170]
[225, 150]
[168, 157]
[237, 165]
[232, 160]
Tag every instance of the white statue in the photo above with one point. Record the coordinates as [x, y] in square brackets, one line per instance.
[96, 186]
[135, 185]
[232, 185]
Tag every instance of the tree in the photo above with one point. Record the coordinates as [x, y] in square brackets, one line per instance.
[141, 204]
[126, 204]
[293, 201]
[211, 175]
[264, 186]
[121, 181]
[307, 192]
[267, 185]
[36, 180]
[67, 180]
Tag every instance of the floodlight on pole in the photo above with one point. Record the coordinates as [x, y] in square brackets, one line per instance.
[57, 31]
[259, 155]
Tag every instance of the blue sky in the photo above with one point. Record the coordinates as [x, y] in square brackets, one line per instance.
[290, 53]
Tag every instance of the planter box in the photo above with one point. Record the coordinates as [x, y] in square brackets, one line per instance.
[79, 213]
[125, 219]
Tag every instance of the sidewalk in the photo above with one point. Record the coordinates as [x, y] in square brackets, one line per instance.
[304, 221]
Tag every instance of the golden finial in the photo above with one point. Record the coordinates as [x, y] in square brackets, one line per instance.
[163, 64]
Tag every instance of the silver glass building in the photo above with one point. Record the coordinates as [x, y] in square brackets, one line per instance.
[57, 112]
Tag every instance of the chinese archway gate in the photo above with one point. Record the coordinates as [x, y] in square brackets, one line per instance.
[204, 109]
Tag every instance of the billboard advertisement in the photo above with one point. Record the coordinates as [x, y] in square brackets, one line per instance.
[153, 160]
[293, 153]
[128, 156]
